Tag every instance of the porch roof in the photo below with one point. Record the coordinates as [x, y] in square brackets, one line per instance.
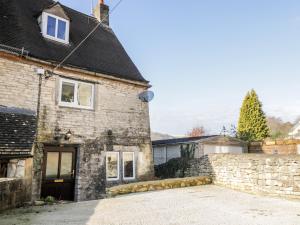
[17, 132]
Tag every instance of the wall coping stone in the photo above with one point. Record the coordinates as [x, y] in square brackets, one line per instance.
[158, 185]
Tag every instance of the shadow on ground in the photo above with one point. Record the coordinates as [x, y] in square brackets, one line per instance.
[68, 213]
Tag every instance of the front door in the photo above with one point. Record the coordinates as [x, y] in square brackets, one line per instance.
[59, 173]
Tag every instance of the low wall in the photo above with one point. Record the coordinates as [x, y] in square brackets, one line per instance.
[158, 185]
[14, 192]
[281, 147]
[255, 173]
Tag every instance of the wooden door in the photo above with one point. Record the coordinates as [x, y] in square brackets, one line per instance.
[59, 173]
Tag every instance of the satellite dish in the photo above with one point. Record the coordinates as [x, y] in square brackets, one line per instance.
[146, 96]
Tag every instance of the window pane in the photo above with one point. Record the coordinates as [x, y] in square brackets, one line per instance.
[85, 94]
[128, 160]
[159, 155]
[67, 92]
[52, 164]
[61, 31]
[112, 165]
[66, 164]
[51, 24]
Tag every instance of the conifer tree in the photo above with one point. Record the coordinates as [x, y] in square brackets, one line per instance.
[252, 125]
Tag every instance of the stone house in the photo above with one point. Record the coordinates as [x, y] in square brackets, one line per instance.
[92, 129]
[164, 150]
[295, 132]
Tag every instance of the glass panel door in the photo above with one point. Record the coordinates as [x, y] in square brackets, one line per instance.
[66, 170]
[52, 164]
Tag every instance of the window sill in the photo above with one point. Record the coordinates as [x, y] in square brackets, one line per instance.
[112, 180]
[77, 108]
[129, 179]
[56, 40]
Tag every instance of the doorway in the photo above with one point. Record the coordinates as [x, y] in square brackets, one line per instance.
[59, 173]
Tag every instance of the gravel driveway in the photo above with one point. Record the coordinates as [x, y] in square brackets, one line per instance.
[203, 205]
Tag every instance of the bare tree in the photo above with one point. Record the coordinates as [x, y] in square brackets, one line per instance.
[196, 132]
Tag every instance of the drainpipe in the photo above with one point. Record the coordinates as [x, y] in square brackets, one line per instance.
[36, 174]
[39, 72]
[38, 106]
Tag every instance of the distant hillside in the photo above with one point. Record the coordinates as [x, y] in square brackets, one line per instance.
[159, 136]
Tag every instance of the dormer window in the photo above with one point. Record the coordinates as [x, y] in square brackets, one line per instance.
[55, 28]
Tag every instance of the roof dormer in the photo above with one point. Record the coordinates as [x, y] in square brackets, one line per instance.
[55, 24]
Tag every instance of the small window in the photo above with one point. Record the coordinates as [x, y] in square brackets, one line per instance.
[112, 166]
[76, 94]
[51, 26]
[55, 28]
[61, 30]
[128, 165]
[67, 92]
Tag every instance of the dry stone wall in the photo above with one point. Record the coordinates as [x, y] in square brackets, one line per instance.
[255, 173]
[14, 192]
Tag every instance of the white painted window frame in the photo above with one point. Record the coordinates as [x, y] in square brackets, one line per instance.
[44, 28]
[123, 168]
[75, 103]
[118, 167]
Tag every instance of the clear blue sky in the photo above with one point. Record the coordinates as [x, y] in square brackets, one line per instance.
[203, 56]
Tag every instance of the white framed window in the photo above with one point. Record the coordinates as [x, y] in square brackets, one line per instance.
[112, 166]
[55, 28]
[76, 94]
[128, 166]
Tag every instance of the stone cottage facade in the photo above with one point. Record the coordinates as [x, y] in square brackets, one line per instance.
[93, 131]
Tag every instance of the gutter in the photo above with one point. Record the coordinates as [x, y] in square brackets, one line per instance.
[18, 54]
[15, 156]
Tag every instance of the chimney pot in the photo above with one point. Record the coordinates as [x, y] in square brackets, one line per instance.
[101, 12]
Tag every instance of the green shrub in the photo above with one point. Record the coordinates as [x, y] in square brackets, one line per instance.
[174, 168]
[50, 200]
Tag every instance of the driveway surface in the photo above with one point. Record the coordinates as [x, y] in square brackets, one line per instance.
[203, 205]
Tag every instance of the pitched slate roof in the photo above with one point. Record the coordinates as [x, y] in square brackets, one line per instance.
[180, 140]
[101, 53]
[222, 140]
[17, 133]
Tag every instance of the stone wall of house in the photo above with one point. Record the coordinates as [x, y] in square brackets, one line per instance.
[281, 147]
[117, 109]
[15, 191]
[255, 173]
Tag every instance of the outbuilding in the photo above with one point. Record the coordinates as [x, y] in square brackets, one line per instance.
[164, 150]
[223, 144]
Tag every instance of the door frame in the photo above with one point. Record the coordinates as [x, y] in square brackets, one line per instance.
[75, 162]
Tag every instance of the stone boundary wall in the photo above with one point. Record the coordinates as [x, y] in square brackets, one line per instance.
[285, 147]
[256, 173]
[158, 185]
[14, 192]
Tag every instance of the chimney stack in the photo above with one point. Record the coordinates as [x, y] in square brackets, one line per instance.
[101, 12]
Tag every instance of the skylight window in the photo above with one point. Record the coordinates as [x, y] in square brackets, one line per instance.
[55, 28]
